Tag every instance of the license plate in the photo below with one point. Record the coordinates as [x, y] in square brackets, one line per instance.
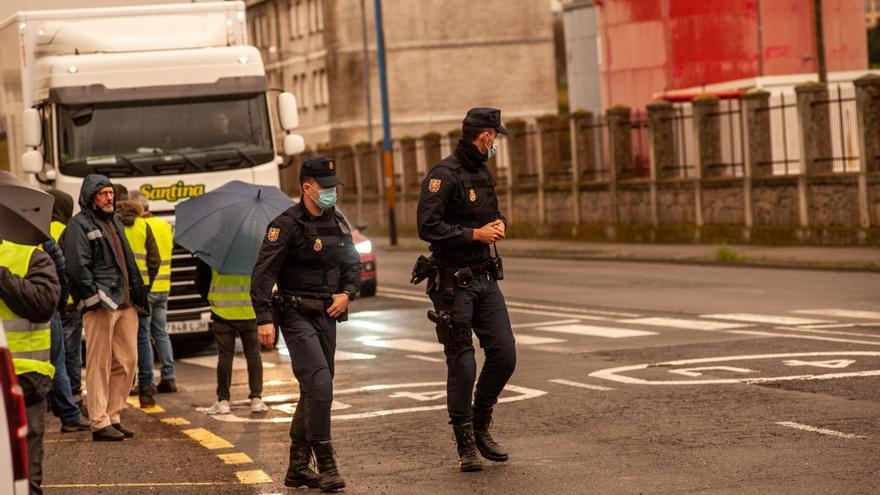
[192, 326]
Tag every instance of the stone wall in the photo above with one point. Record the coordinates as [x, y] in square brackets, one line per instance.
[775, 201]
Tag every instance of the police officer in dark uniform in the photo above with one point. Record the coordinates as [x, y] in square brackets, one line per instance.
[309, 254]
[458, 215]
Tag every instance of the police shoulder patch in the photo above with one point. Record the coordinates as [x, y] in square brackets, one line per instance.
[273, 234]
[434, 185]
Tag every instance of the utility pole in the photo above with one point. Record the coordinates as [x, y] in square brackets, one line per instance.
[387, 156]
[367, 75]
[820, 41]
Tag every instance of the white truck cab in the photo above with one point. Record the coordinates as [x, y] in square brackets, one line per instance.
[169, 100]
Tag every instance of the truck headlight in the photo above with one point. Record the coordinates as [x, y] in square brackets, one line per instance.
[364, 247]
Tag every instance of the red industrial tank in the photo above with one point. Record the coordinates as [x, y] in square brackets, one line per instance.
[649, 46]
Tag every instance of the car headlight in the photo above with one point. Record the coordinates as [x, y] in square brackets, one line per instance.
[364, 247]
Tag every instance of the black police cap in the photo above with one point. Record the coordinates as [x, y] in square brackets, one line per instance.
[322, 169]
[485, 118]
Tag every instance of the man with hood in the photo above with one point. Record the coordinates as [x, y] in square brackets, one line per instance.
[108, 290]
[64, 402]
[146, 256]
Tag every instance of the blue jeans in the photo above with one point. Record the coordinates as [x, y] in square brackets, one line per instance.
[60, 396]
[154, 325]
[71, 320]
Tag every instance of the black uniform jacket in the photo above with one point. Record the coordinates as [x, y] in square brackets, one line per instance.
[458, 196]
[305, 256]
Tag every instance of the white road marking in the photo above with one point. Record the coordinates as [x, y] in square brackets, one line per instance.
[290, 408]
[368, 325]
[809, 329]
[685, 324]
[833, 363]
[579, 384]
[426, 358]
[352, 356]
[842, 325]
[553, 310]
[842, 313]
[595, 331]
[238, 362]
[534, 340]
[614, 374]
[804, 337]
[823, 431]
[523, 393]
[420, 396]
[769, 319]
[411, 345]
[696, 371]
[544, 323]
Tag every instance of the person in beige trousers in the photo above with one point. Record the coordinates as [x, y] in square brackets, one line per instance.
[107, 288]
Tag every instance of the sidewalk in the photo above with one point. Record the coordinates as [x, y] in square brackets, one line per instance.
[813, 257]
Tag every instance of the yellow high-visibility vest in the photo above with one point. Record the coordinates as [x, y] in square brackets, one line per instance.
[56, 228]
[165, 240]
[136, 234]
[29, 343]
[230, 296]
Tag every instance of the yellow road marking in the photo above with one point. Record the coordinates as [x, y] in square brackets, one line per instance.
[253, 477]
[134, 402]
[107, 485]
[176, 421]
[235, 458]
[207, 439]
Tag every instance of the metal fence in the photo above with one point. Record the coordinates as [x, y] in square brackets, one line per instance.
[843, 152]
[729, 160]
[684, 143]
[785, 135]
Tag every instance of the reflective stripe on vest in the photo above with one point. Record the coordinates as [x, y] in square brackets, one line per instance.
[165, 240]
[56, 228]
[136, 234]
[230, 296]
[29, 342]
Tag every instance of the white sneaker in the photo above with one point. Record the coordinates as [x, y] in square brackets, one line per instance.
[258, 406]
[219, 407]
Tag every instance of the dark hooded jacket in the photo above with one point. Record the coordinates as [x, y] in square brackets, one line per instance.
[93, 268]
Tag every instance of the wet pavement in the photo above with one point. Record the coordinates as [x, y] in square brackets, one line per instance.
[631, 378]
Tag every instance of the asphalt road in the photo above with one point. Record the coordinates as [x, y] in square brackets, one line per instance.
[631, 378]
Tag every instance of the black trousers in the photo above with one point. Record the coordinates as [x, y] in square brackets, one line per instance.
[35, 387]
[224, 335]
[482, 306]
[311, 341]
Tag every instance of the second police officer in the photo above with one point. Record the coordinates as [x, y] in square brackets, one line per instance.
[308, 252]
[458, 215]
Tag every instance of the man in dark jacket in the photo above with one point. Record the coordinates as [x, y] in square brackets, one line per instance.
[108, 290]
[29, 291]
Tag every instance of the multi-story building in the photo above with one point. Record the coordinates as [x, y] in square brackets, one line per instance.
[443, 57]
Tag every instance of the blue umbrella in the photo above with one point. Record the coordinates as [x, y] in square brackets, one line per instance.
[225, 227]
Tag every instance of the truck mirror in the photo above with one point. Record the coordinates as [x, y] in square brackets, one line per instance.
[32, 131]
[294, 144]
[287, 112]
[32, 162]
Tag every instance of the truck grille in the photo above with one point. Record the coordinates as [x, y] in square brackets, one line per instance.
[184, 302]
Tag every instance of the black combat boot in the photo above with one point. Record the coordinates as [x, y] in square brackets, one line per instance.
[298, 471]
[485, 444]
[329, 479]
[468, 460]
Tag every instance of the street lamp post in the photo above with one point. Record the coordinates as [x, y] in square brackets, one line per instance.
[820, 41]
[387, 156]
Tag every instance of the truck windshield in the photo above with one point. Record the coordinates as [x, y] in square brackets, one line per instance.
[164, 137]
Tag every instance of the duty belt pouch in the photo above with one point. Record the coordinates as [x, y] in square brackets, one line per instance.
[496, 265]
[463, 277]
[311, 307]
[278, 307]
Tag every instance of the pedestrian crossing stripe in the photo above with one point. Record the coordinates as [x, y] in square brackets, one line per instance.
[768, 319]
[235, 458]
[533, 340]
[684, 324]
[411, 345]
[253, 477]
[596, 331]
[841, 313]
[208, 439]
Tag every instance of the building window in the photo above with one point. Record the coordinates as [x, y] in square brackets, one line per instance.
[325, 87]
[291, 19]
[319, 12]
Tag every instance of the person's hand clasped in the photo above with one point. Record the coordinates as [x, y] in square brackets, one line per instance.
[490, 233]
[340, 304]
[266, 334]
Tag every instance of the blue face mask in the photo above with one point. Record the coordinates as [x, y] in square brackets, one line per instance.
[326, 198]
[493, 150]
